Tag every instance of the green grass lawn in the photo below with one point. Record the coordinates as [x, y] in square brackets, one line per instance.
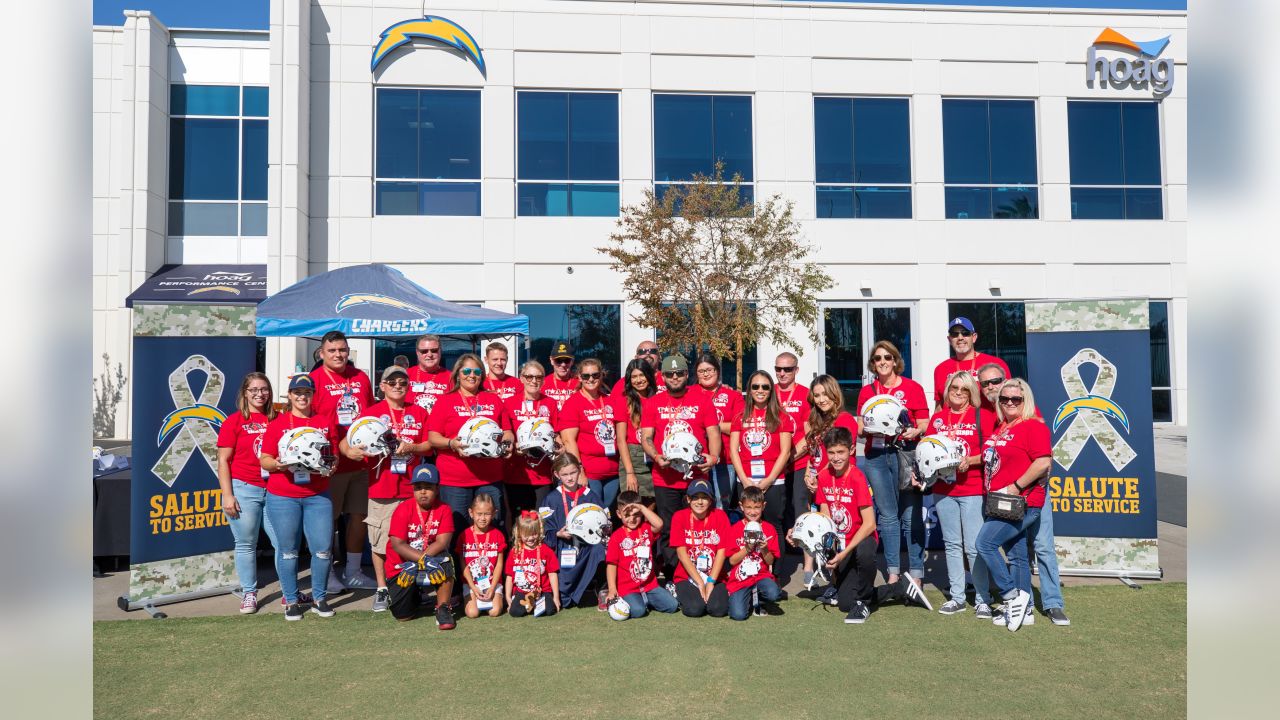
[1124, 656]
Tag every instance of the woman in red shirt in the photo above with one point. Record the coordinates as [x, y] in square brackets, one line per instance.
[959, 504]
[760, 445]
[528, 484]
[591, 429]
[896, 511]
[1014, 458]
[244, 482]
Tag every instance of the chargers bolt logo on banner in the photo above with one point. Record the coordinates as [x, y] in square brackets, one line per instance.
[1091, 412]
[194, 423]
[432, 28]
[367, 325]
[1146, 68]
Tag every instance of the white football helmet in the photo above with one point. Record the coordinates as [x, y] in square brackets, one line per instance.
[684, 451]
[481, 437]
[373, 434]
[307, 448]
[937, 457]
[753, 533]
[588, 522]
[884, 415]
[619, 609]
[536, 440]
[816, 534]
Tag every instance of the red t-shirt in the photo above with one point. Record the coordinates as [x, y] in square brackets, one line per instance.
[667, 414]
[506, 388]
[845, 496]
[559, 390]
[727, 403]
[793, 401]
[410, 425]
[595, 421]
[757, 447]
[700, 538]
[1011, 450]
[528, 569]
[331, 389]
[817, 453]
[907, 391]
[963, 427]
[282, 483]
[426, 386]
[633, 552]
[518, 470]
[480, 551]
[244, 437]
[450, 413]
[753, 568]
[951, 366]
[418, 527]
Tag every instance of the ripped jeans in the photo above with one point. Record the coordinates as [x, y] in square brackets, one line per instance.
[292, 518]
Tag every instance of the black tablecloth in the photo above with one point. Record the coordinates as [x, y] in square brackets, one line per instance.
[111, 510]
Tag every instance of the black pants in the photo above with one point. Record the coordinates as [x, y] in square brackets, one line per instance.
[692, 605]
[800, 495]
[856, 576]
[775, 508]
[667, 502]
[517, 608]
[525, 497]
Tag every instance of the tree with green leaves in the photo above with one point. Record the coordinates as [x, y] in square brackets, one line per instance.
[713, 272]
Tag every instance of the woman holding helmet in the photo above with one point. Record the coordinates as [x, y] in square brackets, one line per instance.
[529, 476]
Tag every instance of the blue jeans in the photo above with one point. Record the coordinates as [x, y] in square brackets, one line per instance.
[244, 530]
[1047, 559]
[459, 501]
[292, 518]
[658, 599]
[961, 521]
[607, 489]
[723, 481]
[997, 534]
[740, 600]
[896, 512]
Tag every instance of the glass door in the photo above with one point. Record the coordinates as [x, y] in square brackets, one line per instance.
[849, 332]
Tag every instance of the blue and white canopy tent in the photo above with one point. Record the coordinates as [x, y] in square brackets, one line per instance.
[375, 301]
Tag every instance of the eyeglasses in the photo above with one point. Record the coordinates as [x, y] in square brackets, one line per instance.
[957, 388]
[647, 351]
[992, 381]
[428, 351]
[532, 378]
[882, 358]
[400, 382]
[706, 371]
[675, 373]
[470, 371]
[589, 376]
[563, 361]
[960, 333]
[1014, 400]
[761, 386]
[258, 391]
[782, 369]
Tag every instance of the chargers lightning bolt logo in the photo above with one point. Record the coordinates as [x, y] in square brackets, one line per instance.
[431, 27]
[353, 299]
[200, 411]
[1090, 402]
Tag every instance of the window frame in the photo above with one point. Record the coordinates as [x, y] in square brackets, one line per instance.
[1038, 186]
[750, 185]
[518, 181]
[374, 179]
[239, 119]
[1164, 171]
[911, 160]
[523, 355]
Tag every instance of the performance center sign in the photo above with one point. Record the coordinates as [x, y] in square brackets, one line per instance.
[1090, 368]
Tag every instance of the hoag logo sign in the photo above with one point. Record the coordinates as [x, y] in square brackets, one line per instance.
[1141, 67]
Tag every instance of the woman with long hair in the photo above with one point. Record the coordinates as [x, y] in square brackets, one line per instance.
[589, 429]
[760, 445]
[639, 384]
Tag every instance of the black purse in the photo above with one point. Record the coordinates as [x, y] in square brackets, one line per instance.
[997, 505]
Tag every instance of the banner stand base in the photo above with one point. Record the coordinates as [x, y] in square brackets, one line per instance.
[149, 604]
[1124, 576]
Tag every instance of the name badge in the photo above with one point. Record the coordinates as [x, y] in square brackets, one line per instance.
[540, 606]
[568, 557]
[522, 578]
[643, 552]
[301, 477]
[399, 464]
[483, 582]
[703, 563]
[265, 474]
[757, 470]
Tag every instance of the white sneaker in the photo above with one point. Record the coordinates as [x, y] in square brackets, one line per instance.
[1015, 610]
[997, 618]
[359, 581]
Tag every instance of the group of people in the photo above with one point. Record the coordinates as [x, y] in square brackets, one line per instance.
[435, 501]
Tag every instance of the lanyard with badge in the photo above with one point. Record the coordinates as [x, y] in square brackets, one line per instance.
[400, 462]
[481, 569]
[569, 553]
[300, 477]
[702, 561]
[348, 406]
[756, 439]
[523, 581]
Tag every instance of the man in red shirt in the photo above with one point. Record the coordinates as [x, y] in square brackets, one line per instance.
[562, 382]
[647, 350]
[964, 356]
[496, 380]
[429, 379]
[343, 392]
[794, 399]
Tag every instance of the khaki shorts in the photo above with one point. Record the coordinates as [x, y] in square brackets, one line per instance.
[379, 522]
[349, 492]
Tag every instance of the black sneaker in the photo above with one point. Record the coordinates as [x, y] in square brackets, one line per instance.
[444, 618]
[294, 612]
[830, 596]
[858, 614]
[1057, 616]
[915, 594]
[321, 608]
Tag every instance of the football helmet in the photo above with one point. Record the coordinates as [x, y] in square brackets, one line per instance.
[753, 534]
[481, 437]
[884, 415]
[373, 435]
[588, 522]
[683, 451]
[306, 448]
[937, 457]
[816, 534]
[536, 440]
[619, 609]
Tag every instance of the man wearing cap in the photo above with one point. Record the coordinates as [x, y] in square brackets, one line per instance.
[964, 356]
[664, 415]
[647, 350]
[420, 534]
[389, 484]
[429, 379]
[562, 383]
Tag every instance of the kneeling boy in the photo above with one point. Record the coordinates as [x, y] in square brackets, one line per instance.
[418, 550]
[751, 548]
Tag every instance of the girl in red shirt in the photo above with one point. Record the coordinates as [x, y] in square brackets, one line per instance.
[481, 548]
[760, 445]
[532, 570]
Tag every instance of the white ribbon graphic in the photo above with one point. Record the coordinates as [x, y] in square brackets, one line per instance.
[1089, 409]
[194, 420]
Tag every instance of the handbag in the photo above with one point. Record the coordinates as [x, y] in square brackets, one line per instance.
[906, 452]
[998, 505]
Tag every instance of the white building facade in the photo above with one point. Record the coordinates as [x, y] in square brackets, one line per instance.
[942, 161]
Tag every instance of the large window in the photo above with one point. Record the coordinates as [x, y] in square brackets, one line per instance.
[217, 160]
[567, 145]
[1161, 377]
[862, 157]
[427, 152]
[1002, 330]
[1115, 160]
[593, 331]
[692, 132]
[989, 158]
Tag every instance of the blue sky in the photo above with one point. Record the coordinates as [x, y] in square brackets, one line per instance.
[253, 14]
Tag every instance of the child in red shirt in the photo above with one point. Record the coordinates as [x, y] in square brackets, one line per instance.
[698, 533]
[532, 569]
[480, 547]
[632, 547]
[754, 546]
[418, 550]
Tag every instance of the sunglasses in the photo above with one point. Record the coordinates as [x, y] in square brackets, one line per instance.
[882, 358]
[1011, 400]
[396, 383]
[992, 381]
[761, 386]
[589, 376]
[531, 378]
[647, 351]
[428, 351]
[781, 369]
[675, 373]
[563, 361]
[470, 371]
[960, 333]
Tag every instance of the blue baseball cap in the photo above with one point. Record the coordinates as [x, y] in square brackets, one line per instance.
[963, 322]
[426, 474]
[302, 382]
[699, 486]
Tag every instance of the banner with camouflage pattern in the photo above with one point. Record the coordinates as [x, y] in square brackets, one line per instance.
[1090, 369]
